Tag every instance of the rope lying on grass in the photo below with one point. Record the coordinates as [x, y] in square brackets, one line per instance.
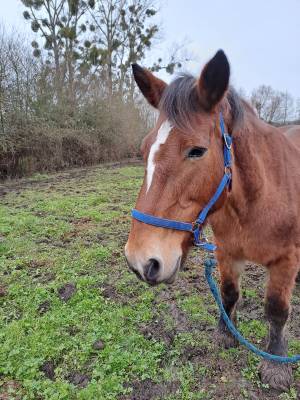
[210, 264]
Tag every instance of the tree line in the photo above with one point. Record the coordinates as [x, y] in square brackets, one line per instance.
[83, 51]
[275, 106]
[67, 98]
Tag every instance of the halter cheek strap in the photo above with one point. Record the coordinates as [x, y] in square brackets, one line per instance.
[196, 227]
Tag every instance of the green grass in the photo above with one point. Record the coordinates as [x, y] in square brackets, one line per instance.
[71, 229]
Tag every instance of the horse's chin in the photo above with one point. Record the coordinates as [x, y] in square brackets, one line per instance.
[171, 280]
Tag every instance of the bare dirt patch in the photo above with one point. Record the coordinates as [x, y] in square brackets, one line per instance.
[79, 379]
[44, 307]
[48, 368]
[149, 390]
[10, 388]
[66, 292]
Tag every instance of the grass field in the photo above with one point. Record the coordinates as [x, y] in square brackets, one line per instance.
[76, 324]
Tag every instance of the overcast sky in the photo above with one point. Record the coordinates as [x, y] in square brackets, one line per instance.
[260, 37]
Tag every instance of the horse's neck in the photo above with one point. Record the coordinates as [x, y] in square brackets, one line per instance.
[250, 144]
[258, 167]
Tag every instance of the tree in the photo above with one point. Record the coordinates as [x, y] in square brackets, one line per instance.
[271, 105]
[298, 110]
[287, 107]
[58, 23]
[260, 98]
[18, 74]
[122, 34]
[3, 74]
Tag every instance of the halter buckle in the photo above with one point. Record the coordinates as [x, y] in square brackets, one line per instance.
[228, 170]
[197, 232]
[196, 226]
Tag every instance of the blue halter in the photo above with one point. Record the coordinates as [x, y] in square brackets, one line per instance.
[196, 227]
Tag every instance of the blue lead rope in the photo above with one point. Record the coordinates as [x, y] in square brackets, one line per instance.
[196, 228]
[210, 264]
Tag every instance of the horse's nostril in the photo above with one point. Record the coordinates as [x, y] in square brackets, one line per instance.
[152, 270]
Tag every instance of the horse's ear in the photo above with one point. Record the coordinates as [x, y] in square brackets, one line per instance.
[214, 80]
[151, 87]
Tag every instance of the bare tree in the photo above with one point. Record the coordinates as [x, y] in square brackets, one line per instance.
[297, 111]
[18, 75]
[287, 107]
[271, 105]
[3, 76]
[260, 98]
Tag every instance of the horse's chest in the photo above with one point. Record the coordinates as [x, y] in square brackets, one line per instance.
[258, 239]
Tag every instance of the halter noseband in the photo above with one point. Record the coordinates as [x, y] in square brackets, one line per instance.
[196, 227]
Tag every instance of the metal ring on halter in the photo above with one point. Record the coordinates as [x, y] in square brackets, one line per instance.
[227, 141]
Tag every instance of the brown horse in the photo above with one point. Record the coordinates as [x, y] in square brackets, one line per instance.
[256, 219]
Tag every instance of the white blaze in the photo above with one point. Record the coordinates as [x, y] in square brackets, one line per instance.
[161, 138]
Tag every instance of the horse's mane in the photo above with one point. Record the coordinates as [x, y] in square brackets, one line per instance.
[180, 103]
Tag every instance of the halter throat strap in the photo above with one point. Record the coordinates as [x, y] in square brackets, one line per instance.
[196, 227]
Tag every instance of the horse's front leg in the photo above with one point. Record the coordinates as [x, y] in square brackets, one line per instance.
[277, 306]
[230, 271]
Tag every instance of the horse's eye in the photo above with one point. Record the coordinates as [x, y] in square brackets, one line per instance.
[197, 152]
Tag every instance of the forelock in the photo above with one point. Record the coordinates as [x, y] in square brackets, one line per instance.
[180, 102]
